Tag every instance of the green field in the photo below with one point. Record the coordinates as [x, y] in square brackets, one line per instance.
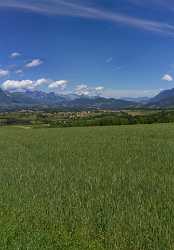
[87, 188]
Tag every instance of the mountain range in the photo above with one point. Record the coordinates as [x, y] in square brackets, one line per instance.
[40, 100]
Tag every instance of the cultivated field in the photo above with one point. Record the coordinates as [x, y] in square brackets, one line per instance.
[87, 188]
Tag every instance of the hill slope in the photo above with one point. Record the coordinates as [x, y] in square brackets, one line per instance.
[4, 98]
[163, 99]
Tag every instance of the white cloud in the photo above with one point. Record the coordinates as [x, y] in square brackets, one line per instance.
[15, 54]
[34, 63]
[98, 90]
[58, 85]
[12, 85]
[167, 77]
[22, 85]
[4, 72]
[84, 89]
[42, 81]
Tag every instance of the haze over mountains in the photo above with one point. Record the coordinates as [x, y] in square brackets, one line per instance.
[40, 99]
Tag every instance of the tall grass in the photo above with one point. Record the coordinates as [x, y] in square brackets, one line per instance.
[104, 188]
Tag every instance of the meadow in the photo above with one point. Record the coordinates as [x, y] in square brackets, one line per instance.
[90, 188]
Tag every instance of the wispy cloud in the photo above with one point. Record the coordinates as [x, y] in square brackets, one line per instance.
[4, 72]
[118, 68]
[109, 60]
[78, 9]
[19, 71]
[168, 4]
[15, 54]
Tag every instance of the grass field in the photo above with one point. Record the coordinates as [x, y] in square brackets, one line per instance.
[87, 188]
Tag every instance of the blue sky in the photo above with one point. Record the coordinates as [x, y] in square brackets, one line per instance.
[113, 48]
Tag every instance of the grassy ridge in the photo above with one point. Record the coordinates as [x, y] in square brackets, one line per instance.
[87, 188]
